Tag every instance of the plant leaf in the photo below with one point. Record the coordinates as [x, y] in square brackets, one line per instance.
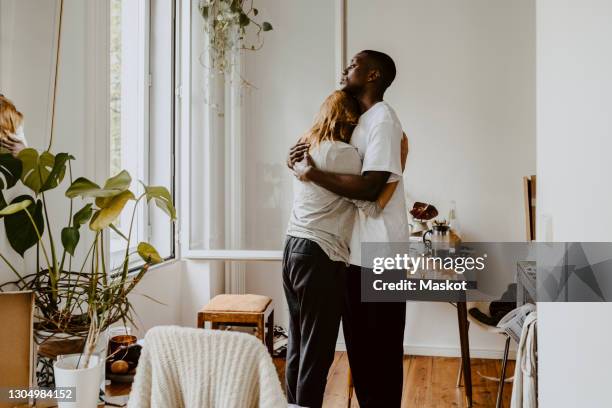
[162, 198]
[235, 6]
[84, 188]
[119, 182]
[10, 170]
[42, 172]
[148, 253]
[102, 202]
[15, 208]
[58, 171]
[70, 239]
[204, 11]
[266, 26]
[244, 20]
[82, 216]
[19, 229]
[105, 216]
[36, 168]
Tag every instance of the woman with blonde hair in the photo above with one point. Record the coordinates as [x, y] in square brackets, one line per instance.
[12, 138]
[316, 251]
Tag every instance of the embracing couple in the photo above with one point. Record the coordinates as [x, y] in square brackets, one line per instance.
[349, 190]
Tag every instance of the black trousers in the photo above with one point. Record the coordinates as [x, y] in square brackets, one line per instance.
[314, 286]
[374, 336]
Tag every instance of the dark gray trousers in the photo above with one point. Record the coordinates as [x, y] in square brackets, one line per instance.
[314, 286]
[374, 336]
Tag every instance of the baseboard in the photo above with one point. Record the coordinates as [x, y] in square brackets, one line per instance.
[434, 351]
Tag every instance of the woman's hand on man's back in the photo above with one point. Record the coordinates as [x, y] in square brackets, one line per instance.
[296, 153]
[13, 145]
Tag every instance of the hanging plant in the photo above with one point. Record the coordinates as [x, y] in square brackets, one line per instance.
[226, 23]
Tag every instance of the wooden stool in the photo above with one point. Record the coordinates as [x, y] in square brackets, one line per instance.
[241, 310]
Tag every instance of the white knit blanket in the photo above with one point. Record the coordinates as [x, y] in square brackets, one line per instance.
[185, 367]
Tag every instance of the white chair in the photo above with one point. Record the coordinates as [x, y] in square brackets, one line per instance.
[484, 308]
[188, 367]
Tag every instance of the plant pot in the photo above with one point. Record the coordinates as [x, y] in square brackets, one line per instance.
[49, 348]
[84, 381]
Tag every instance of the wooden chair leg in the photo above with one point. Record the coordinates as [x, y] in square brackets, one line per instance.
[459, 373]
[261, 329]
[270, 334]
[201, 320]
[502, 377]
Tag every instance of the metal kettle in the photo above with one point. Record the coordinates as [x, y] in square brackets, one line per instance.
[439, 236]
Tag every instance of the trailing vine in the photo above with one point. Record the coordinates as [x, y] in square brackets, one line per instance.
[226, 23]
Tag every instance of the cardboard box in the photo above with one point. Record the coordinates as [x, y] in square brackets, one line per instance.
[16, 340]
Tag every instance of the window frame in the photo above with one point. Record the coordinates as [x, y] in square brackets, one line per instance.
[186, 175]
[144, 217]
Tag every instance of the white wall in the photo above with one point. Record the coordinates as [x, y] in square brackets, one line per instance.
[465, 93]
[27, 60]
[157, 296]
[173, 293]
[574, 140]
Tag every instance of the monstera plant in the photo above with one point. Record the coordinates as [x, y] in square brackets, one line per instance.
[72, 291]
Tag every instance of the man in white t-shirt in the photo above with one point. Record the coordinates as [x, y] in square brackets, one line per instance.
[374, 332]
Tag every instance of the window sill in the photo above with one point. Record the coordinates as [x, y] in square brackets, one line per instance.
[136, 268]
[233, 255]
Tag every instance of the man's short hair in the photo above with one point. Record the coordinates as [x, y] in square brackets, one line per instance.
[383, 63]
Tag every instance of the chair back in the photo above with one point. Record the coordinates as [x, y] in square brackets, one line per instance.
[186, 367]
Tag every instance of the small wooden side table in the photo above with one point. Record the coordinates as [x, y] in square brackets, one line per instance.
[241, 310]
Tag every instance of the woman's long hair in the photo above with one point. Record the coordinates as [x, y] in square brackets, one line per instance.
[335, 121]
[10, 118]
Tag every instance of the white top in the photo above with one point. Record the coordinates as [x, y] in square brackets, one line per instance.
[322, 216]
[378, 139]
[20, 135]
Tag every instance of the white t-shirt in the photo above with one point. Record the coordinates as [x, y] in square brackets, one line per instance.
[378, 139]
[322, 216]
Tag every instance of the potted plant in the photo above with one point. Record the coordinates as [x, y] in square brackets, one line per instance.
[81, 371]
[226, 23]
[70, 295]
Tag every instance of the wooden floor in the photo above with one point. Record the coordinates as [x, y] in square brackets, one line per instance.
[429, 382]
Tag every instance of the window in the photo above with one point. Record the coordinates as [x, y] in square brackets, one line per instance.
[237, 180]
[142, 113]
